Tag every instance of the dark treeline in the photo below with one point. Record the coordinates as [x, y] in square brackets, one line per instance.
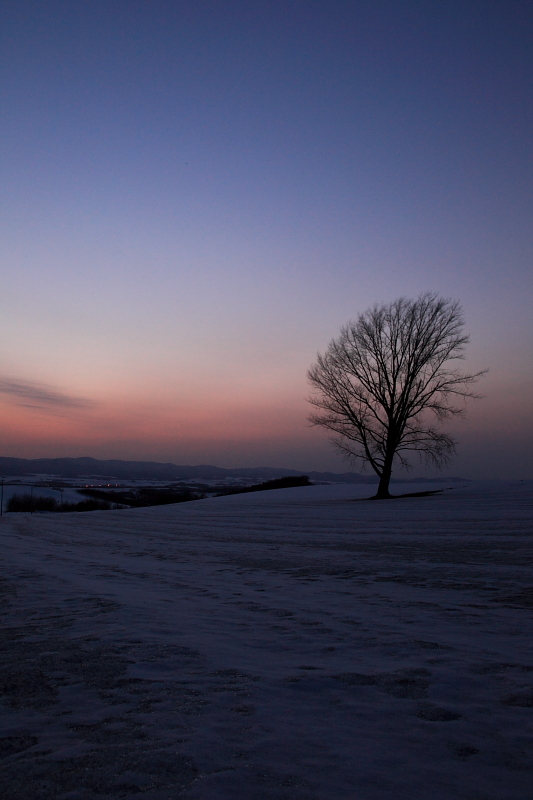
[104, 500]
[142, 497]
[286, 482]
[29, 503]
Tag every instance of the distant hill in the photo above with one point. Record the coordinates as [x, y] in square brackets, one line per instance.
[152, 470]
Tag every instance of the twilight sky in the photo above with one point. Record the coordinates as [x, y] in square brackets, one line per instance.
[197, 195]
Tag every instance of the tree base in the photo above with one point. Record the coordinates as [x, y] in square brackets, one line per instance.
[388, 496]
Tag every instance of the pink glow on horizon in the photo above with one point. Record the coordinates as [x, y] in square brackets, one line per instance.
[246, 433]
[158, 432]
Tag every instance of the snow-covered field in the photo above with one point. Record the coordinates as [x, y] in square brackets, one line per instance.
[295, 644]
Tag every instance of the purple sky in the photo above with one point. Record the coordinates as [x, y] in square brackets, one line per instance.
[197, 195]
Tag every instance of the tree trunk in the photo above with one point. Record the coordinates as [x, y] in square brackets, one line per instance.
[384, 480]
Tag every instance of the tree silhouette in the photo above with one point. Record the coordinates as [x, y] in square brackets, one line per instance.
[382, 380]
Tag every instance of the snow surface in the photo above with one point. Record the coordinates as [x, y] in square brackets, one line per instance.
[299, 643]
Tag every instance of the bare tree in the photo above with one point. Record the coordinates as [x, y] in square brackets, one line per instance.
[386, 376]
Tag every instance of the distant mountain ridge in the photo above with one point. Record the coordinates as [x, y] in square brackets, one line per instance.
[153, 470]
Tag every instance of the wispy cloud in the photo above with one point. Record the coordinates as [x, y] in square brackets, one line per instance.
[41, 396]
